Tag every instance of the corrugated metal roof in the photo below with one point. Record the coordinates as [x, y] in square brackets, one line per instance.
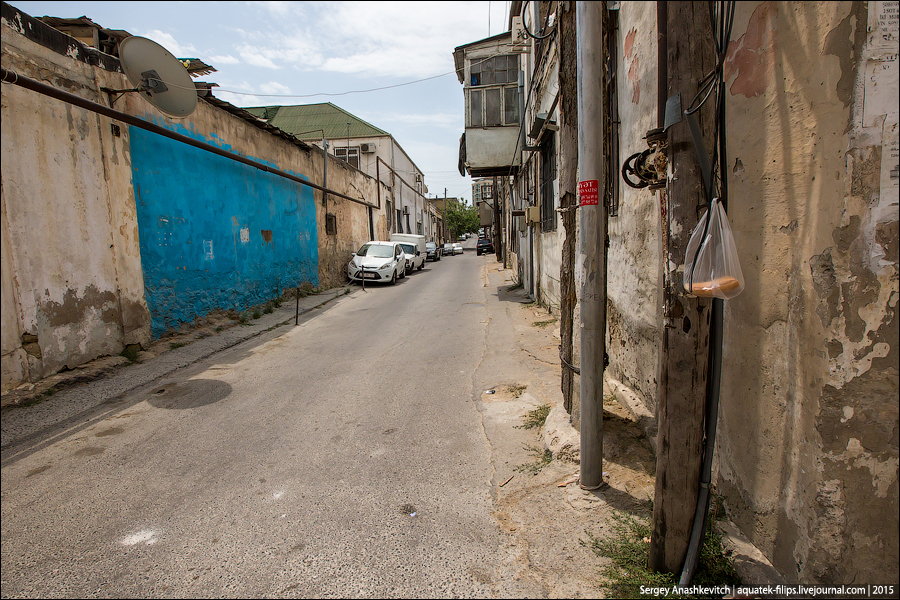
[306, 120]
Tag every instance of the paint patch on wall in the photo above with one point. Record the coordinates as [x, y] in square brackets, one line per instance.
[750, 59]
[634, 68]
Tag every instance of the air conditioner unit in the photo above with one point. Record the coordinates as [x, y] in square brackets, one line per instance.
[519, 35]
[533, 214]
[367, 148]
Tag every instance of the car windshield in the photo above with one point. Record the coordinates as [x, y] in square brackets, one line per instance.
[408, 248]
[430, 246]
[376, 251]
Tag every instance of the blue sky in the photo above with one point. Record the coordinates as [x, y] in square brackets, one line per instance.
[295, 52]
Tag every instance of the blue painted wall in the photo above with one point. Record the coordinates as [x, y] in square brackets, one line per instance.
[214, 233]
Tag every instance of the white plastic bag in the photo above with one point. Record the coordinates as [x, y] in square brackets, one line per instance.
[711, 266]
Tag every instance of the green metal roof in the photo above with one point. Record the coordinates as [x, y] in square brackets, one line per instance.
[306, 120]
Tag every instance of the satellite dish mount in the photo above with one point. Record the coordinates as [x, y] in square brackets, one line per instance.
[157, 76]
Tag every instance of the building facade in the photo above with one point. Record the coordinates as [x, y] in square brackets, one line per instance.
[806, 457]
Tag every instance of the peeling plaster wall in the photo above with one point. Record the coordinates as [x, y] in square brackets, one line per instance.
[807, 452]
[548, 244]
[68, 296]
[215, 233]
[807, 448]
[72, 269]
[633, 273]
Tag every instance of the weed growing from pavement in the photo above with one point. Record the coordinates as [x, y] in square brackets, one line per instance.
[534, 419]
[516, 286]
[543, 324]
[542, 458]
[176, 345]
[629, 550]
[131, 352]
[516, 390]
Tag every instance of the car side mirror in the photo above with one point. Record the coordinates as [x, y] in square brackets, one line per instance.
[418, 253]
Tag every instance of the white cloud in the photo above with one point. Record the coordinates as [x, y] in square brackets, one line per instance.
[273, 87]
[447, 120]
[372, 39]
[224, 60]
[168, 42]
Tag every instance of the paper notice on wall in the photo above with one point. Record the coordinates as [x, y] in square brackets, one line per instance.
[884, 24]
[882, 78]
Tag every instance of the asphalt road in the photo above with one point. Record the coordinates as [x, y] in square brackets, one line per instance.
[345, 457]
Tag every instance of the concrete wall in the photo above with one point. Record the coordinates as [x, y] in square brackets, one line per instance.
[634, 273]
[72, 281]
[807, 449]
[808, 446]
[216, 233]
[112, 234]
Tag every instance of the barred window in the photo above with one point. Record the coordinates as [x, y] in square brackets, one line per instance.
[548, 175]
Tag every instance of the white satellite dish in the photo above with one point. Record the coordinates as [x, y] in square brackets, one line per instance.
[158, 76]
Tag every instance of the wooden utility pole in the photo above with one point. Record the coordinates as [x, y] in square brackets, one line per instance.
[568, 203]
[685, 320]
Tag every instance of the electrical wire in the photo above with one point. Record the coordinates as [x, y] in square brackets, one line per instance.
[378, 89]
[544, 28]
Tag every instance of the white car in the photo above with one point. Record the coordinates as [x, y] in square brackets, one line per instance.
[457, 248]
[378, 261]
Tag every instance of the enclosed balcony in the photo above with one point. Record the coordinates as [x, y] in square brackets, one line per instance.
[489, 72]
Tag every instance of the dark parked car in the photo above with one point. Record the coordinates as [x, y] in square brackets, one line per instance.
[433, 251]
[484, 245]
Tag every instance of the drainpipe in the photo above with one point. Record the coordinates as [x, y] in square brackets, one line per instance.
[592, 259]
[325, 171]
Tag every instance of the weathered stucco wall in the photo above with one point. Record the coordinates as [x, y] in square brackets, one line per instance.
[633, 274]
[216, 233]
[71, 289]
[73, 278]
[807, 449]
[808, 446]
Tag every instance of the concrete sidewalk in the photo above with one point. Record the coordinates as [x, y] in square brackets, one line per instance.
[33, 411]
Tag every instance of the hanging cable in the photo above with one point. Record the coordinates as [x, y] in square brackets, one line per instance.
[525, 24]
[721, 16]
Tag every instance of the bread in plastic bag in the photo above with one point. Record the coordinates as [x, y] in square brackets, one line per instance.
[711, 266]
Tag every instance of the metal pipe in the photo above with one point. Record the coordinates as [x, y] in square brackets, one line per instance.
[47, 90]
[588, 39]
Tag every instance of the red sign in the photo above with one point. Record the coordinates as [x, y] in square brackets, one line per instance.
[589, 191]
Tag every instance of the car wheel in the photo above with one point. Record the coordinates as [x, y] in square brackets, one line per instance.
[394, 277]
[422, 266]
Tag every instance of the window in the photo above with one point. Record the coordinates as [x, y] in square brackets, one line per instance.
[350, 155]
[494, 94]
[330, 224]
[495, 70]
[548, 175]
[476, 117]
